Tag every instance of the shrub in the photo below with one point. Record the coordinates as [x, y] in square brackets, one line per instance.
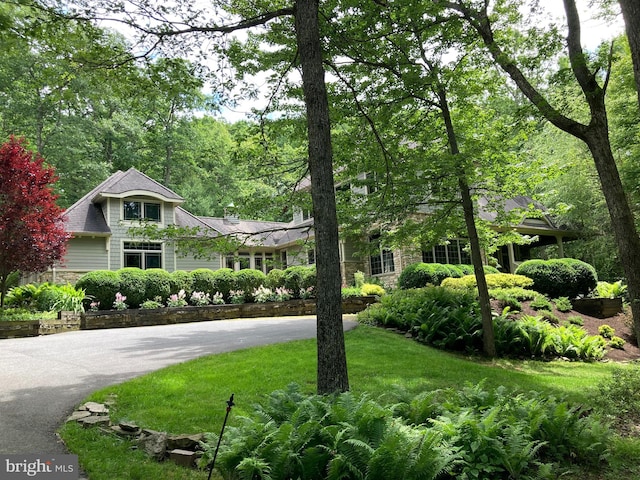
[349, 292]
[236, 296]
[518, 293]
[133, 285]
[23, 296]
[507, 300]
[563, 304]
[494, 280]
[560, 277]
[100, 286]
[299, 277]
[610, 290]
[157, 283]
[617, 342]
[180, 280]
[263, 294]
[223, 281]
[606, 331]
[248, 280]
[151, 304]
[372, 289]
[275, 278]
[418, 275]
[177, 299]
[202, 281]
[576, 320]
[358, 279]
[541, 303]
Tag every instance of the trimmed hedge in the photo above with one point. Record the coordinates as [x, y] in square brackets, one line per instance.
[248, 280]
[419, 275]
[223, 281]
[202, 281]
[298, 278]
[275, 279]
[101, 286]
[133, 285]
[181, 280]
[494, 280]
[157, 284]
[563, 277]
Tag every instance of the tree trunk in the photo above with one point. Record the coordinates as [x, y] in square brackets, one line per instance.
[631, 14]
[622, 221]
[332, 363]
[488, 336]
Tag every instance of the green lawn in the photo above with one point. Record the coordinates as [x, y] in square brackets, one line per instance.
[190, 397]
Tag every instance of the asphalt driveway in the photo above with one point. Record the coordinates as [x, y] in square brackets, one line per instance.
[42, 379]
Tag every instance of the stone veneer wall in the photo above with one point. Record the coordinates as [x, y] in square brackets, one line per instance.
[69, 321]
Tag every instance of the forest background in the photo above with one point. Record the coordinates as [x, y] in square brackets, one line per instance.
[91, 103]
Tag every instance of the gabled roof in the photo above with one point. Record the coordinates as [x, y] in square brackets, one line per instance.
[133, 182]
[543, 221]
[86, 215]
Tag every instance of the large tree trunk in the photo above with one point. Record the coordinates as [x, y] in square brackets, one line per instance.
[488, 336]
[332, 363]
[631, 15]
[622, 220]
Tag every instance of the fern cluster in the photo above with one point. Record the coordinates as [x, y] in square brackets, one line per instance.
[443, 434]
[450, 319]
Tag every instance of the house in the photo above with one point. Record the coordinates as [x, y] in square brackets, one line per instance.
[100, 225]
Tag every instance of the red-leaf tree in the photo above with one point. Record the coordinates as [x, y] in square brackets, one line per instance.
[32, 234]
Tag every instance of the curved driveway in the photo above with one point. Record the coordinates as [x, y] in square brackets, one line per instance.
[43, 378]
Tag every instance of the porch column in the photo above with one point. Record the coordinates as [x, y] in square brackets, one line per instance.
[512, 258]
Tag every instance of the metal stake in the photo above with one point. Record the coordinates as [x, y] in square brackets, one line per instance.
[230, 404]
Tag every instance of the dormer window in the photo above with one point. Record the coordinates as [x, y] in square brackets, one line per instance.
[138, 210]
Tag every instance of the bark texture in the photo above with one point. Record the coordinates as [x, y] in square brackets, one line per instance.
[631, 14]
[332, 363]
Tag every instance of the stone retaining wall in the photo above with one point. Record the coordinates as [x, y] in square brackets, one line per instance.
[69, 321]
[173, 315]
[66, 322]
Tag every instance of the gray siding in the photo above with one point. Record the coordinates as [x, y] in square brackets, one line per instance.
[85, 254]
[189, 263]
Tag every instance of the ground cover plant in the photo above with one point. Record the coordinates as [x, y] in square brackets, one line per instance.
[390, 370]
[449, 319]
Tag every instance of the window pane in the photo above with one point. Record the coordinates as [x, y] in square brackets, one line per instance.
[427, 256]
[440, 254]
[244, 260]
[257, 261]
[387, 261]
[230, 262]
[452, 253]
[376, 264]
[133, 259]
[152, 211]
[131, 210]
[268, 257]
[153, 260]
[465, 257]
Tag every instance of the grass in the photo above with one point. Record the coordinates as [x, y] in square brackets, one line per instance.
[190, 397]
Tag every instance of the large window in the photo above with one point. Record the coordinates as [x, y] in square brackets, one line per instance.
[381, 261]
[137, 210]
[454, 252]
[142, 255]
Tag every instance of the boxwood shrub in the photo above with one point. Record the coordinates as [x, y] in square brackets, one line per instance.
[418, 275]
[299, 277]
[223, 281]
[494, 280]
[133, 285]
[248, 280]
[181, 280]
[275, 279]
[202, 281]
[157, 283]
[100, 286]
[564, 277]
